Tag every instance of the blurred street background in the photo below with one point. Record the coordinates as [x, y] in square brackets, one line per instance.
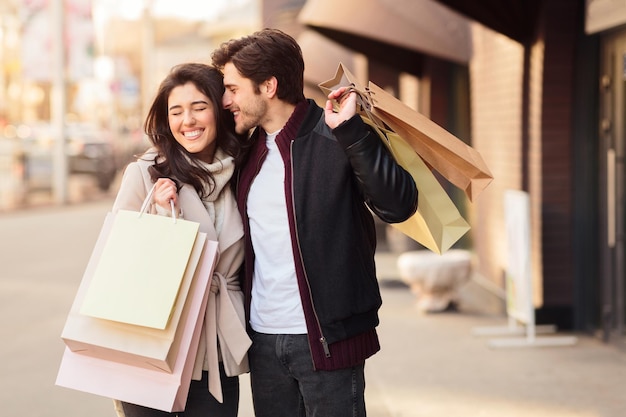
[536, 86]
[85, 70]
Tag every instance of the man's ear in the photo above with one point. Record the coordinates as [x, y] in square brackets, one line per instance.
[270, 87]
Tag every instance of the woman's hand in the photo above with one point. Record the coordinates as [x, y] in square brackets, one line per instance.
[164, 192]
[347, 106]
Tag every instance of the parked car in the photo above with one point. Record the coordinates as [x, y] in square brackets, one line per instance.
[88, 148]
[91, 152]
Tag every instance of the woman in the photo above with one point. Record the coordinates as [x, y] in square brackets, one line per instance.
[191, 164]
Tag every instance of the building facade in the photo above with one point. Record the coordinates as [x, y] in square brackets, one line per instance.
[537, 87]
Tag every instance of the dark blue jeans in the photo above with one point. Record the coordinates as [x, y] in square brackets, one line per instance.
[200, 402]
[284, 383]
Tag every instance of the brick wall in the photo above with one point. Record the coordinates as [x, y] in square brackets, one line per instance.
[523, 129]
[496, 108]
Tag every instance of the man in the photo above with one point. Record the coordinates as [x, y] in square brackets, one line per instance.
[310, 174]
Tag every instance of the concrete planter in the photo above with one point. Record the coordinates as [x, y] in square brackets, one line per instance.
[435, 279]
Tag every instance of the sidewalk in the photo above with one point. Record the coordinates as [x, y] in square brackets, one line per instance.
[432, 365]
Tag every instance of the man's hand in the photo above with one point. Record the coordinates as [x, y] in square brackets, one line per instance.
[347, 106]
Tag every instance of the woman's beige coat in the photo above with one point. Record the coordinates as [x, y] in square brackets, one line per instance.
[224, 319]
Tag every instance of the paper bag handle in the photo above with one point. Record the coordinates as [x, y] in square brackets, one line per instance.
[363, 102]
[148, 200]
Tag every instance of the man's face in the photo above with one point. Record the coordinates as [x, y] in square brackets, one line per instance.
[246, 103]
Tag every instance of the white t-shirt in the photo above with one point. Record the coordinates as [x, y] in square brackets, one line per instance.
[276, 307]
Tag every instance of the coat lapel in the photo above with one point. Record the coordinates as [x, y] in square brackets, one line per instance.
[194, 210]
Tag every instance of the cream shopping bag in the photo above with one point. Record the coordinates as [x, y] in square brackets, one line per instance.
[131, 344]
[437, 223]
[139, 272]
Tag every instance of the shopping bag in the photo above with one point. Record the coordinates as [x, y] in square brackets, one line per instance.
[456, 161]
[147, 387]
[139, 272]
[126, 343]
[437, 223]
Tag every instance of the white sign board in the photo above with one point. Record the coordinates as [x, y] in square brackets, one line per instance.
[519, 302]
[518, 277]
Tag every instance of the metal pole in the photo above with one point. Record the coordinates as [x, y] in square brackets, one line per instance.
[147, 61]
[58, 102]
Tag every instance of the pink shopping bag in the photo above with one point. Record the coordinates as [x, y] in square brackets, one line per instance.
[150, 388]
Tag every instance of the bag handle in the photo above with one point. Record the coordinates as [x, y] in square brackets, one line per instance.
[148, 200]
[363, 101]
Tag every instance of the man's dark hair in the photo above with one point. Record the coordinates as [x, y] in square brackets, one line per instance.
[265, 54]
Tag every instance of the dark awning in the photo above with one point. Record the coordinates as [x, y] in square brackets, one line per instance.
[513, 18]
[392, 31]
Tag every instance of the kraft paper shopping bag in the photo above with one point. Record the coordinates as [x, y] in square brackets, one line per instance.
[437, 223]
[126, 343]
[137, 385]
[141, 267]
[456, 161]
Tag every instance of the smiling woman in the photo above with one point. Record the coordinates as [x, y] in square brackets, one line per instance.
[190, 115]
[190, 165]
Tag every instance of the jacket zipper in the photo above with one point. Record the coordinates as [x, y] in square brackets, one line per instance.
[322, 339]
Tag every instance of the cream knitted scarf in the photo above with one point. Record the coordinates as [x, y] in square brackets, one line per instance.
[222, 169]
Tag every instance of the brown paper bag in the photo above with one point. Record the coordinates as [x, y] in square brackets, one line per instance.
[437, 224]
[456, 161]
